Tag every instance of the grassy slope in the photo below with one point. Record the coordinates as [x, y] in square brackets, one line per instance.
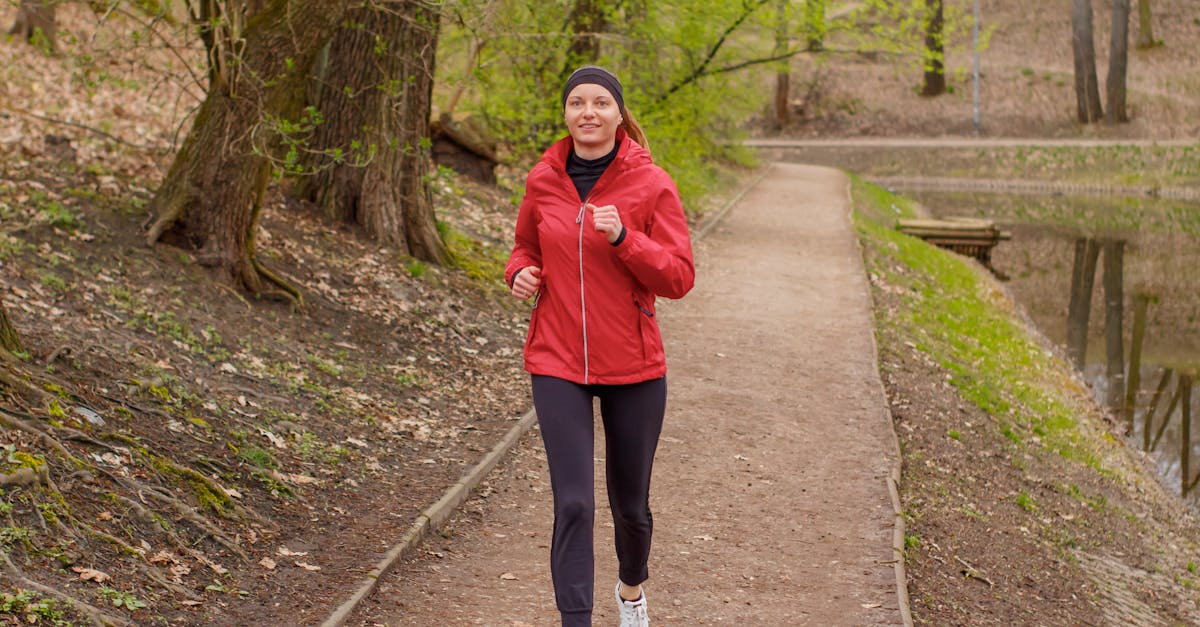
[1017, 464]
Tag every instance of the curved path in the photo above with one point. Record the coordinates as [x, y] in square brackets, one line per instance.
[961, 142]
[770, 492]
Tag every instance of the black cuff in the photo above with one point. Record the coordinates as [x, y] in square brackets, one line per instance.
[620, 238]
[514, 278]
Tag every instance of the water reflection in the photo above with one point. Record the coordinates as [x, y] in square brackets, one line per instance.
[1078, 265]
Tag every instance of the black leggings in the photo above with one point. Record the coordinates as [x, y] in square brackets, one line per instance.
[633, 417]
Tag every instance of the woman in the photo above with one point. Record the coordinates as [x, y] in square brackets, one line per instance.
[599, 234]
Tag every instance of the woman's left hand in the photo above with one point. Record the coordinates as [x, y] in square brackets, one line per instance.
[607, 221]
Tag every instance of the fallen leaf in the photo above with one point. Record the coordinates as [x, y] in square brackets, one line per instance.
[508, 577]
[162, 557]
[190, 602]
[91, 574]
[267, 563]
[283, 550]
[104, 516]
[871, 606]
[307, 566]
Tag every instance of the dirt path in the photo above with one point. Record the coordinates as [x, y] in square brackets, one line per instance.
[770, 490]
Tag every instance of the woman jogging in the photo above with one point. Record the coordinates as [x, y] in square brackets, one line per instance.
[600, 233]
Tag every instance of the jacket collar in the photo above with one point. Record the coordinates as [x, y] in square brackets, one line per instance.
[629, 155]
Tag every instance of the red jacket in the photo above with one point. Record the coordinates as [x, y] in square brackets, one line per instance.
[593, 320]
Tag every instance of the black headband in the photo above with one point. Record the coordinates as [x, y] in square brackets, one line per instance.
[597, 76]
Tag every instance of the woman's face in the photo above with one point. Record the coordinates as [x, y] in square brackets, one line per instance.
[592, 117]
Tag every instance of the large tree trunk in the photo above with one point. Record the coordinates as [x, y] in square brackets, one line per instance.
[1118, 58]
[374, 92]
[9, 340]
[935, 51]
[1114, 320]
[1145, 28]
[783, 76]
[212, 195]
[1083, 277]
[35, 19]
[1087, 91]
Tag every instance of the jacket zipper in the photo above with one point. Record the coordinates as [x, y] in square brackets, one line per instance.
[582, 299]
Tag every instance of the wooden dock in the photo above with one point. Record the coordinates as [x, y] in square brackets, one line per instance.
[973, 237]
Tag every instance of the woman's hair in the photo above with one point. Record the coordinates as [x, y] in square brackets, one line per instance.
[634, 130]
[602, 77]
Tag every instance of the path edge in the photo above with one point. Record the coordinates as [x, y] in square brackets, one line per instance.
[433, 516]
[893, 480]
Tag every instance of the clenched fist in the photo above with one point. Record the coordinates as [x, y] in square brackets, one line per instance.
[607, 221]
[527, 283]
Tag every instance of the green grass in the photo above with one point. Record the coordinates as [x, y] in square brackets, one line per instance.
[967, 327]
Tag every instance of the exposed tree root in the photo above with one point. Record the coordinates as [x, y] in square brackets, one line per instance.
[94, 614]
[289, 290]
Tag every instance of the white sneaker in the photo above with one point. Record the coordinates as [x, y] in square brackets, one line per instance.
[633, 613]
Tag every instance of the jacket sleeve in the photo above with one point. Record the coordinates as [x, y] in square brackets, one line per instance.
[661, 257]
[527, 250]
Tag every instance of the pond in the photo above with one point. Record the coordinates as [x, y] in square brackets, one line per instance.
[1115, 282]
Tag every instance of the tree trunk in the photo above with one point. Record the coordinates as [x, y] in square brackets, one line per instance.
[1087, 91]
[1145, 28]
[814, 24]
[1083, 276]
[35, 21]
[212, 195]
[586, 23]
[374, 91]
[1114, 318]
[1118, 59]
[783, 76]
[935, 54]
[9, 340]
[221, 25]
[1141, 305]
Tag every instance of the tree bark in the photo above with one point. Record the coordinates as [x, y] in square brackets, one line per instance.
[35, 18]
[1118, 60]
[1145, 28]
[935, 52]
[1083, 276]
[10, 341]
[374, 90]
[212, 195]
[783, 76]
[1087, 91]
[1114, 318]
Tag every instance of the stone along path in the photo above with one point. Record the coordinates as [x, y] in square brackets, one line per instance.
[770, 491]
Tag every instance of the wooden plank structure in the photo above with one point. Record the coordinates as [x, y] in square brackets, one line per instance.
[973, 237]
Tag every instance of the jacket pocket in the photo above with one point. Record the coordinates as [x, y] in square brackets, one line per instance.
[533, 320]
[648, 327]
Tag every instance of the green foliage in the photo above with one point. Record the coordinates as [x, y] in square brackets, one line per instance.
[32, 608]
[121, 599]
[1026, 502]
[691, 112]
[900, 26]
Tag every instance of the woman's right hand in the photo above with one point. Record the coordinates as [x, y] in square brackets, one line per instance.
[527, 283]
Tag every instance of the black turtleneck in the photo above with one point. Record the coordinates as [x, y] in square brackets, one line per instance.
[585, 172]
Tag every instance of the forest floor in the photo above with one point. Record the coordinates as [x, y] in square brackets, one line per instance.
[214, 458]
